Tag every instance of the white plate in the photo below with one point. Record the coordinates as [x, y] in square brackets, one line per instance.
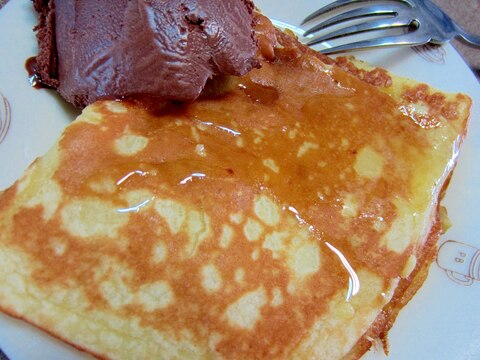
[443, 319]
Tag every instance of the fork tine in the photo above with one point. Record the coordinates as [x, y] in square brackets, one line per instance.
[380, 24]
[332, 6]
[410, 39]
[376, 10]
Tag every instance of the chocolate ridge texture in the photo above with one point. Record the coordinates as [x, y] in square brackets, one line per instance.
[168, 49]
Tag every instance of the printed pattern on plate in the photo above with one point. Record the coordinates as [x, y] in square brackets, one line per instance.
[5, 116]
[431, 52]
[461, 262]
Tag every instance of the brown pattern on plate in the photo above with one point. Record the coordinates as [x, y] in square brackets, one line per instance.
[431, 52]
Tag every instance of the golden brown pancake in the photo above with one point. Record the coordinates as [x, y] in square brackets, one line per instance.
[289, 214]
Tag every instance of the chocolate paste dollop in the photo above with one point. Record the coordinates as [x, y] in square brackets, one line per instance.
[89, 49]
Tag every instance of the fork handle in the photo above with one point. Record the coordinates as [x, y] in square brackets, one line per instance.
[467, 37]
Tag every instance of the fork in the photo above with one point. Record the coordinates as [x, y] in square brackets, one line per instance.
[422, 20]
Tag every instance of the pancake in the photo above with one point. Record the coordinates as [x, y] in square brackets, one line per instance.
[287, 214]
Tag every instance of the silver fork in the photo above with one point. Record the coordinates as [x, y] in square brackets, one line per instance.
[422, 20]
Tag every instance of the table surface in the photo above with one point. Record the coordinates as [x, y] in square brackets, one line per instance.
[466, 13]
